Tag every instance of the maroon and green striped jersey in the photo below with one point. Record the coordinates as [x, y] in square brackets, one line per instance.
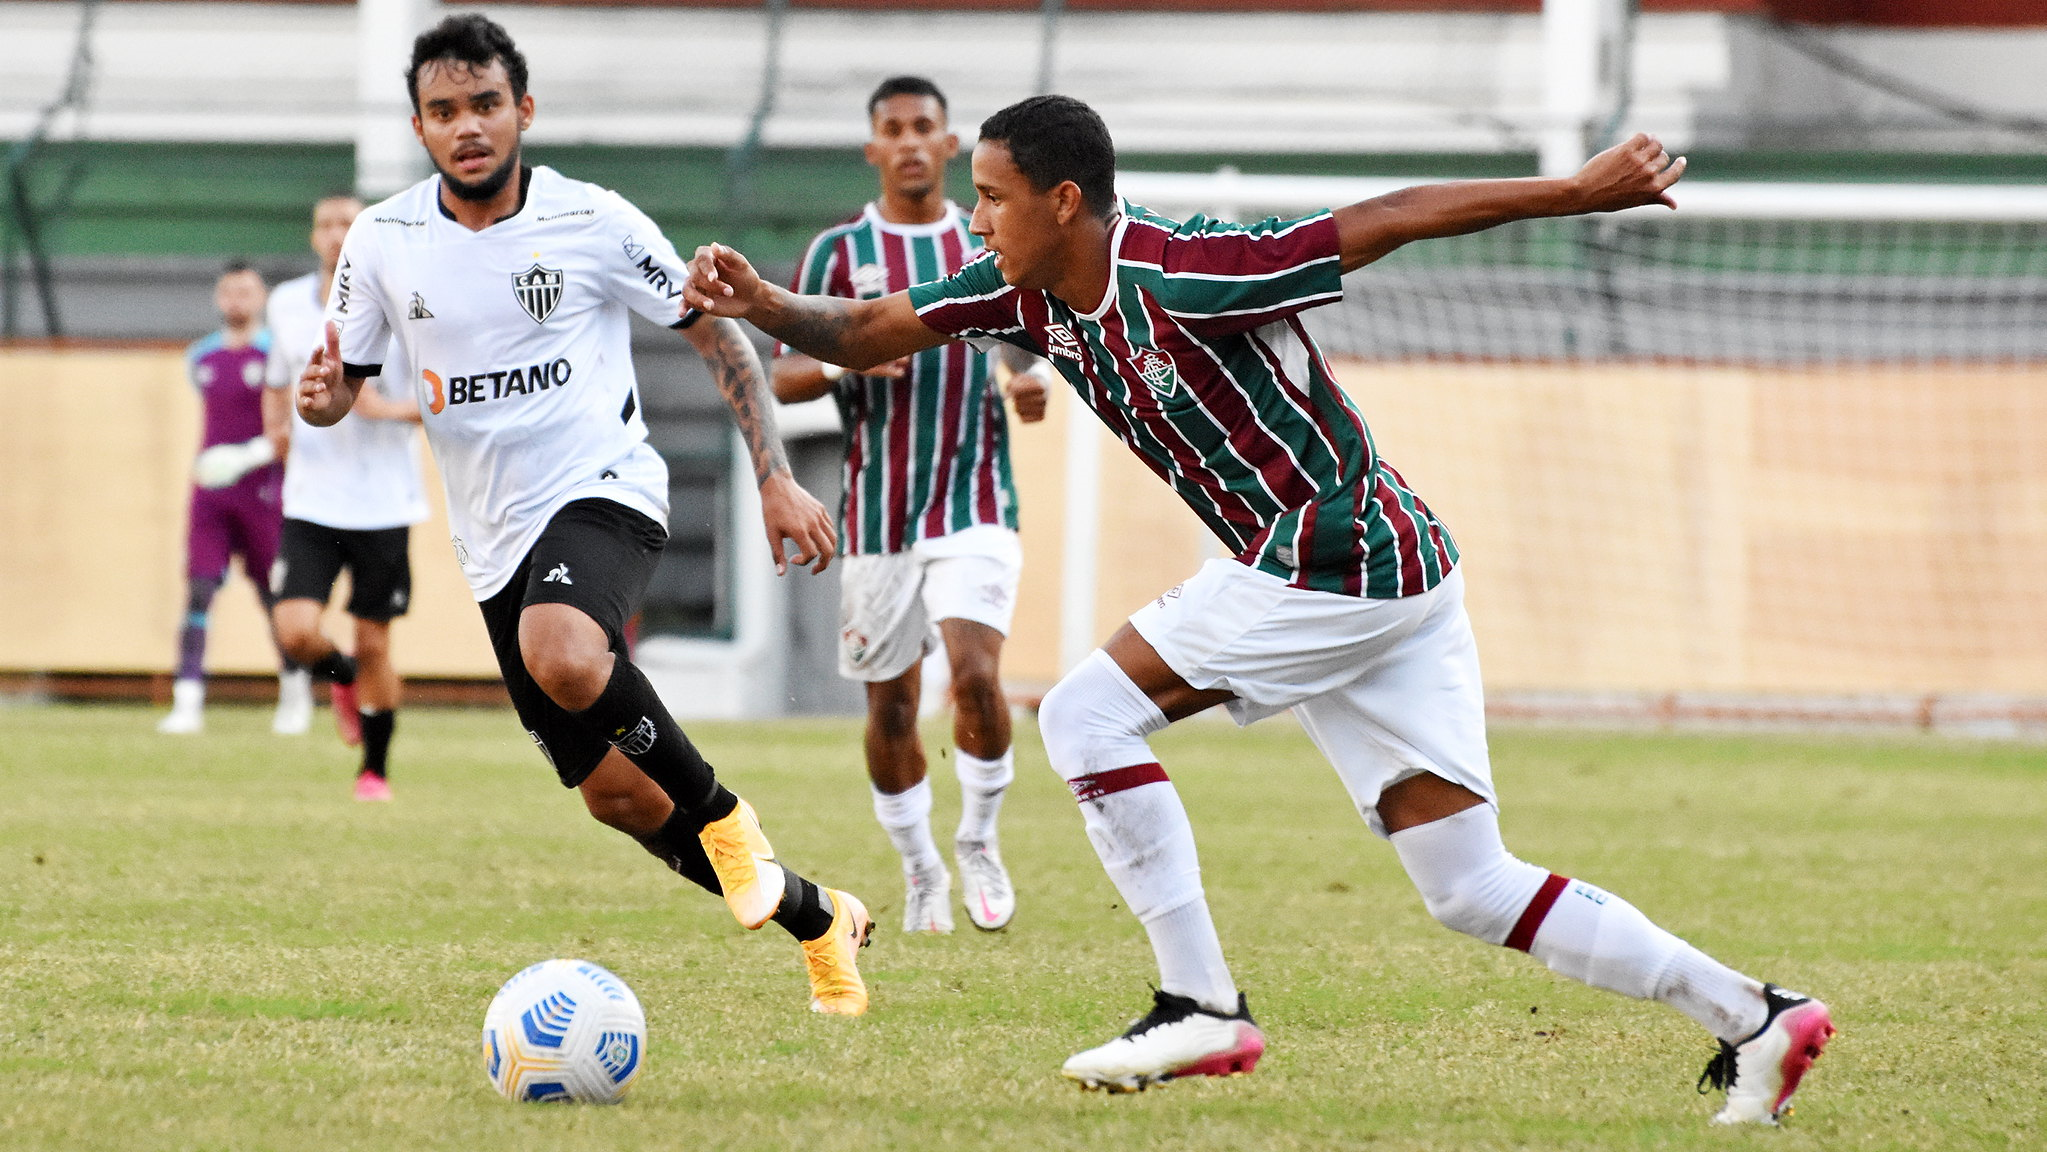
[1197, 359]
[926, 454]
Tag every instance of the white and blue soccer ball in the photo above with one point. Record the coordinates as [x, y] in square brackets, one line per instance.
[564, 1030]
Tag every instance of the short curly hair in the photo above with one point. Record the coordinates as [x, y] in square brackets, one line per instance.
[470, 38]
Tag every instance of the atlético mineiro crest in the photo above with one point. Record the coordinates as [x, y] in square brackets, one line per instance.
[539, 290]
[1156, 369]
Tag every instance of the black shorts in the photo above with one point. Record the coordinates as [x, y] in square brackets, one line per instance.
[596, 556]
[310, 556]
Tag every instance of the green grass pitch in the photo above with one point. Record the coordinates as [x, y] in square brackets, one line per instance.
[205, 944]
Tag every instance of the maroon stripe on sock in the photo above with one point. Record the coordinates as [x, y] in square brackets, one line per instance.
[1115, 780]
[1531, 917]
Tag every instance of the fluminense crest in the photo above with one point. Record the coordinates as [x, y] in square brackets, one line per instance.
[1156, 369]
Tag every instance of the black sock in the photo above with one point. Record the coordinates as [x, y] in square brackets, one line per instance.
[631, 718]
[376, 739]
[806, 912]
[676, 845]
[336, 667]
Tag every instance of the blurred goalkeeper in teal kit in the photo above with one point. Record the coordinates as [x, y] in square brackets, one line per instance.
[237, 490]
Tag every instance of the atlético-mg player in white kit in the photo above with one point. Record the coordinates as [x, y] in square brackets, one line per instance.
[506, 288]
[1342, 600]
[351, 495]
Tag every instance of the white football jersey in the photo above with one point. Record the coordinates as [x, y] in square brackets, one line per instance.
[518, 350]
[361, 474]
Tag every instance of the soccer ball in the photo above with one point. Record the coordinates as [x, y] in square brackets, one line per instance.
[564, 1030]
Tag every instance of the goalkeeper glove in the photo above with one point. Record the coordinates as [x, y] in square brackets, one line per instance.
[223, 464]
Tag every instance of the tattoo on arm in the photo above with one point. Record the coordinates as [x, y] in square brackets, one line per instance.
[817, 326]
[740, 380]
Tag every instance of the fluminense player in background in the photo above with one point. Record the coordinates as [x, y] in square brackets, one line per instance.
[1342, 599]
[351, 494]
[928, 519]
[506, 290]
[236, 484]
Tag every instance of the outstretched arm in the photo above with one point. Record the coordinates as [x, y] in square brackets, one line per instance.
[829, 328]
[1627, 175]
[788, 512]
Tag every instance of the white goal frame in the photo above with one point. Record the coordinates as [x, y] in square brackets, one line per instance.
[1227, 193]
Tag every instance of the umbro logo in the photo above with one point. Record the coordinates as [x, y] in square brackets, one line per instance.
[559, 575]
[1060, 341]
[418, 311]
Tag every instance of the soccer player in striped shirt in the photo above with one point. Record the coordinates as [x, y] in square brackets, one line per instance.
[1342, 601]
[928, 519]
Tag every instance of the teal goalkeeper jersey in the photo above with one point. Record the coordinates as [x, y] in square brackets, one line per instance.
[1197, 359]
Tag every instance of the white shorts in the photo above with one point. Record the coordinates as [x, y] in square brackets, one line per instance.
[1387, 689]
[890, 605]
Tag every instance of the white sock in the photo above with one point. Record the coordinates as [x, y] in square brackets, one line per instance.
[982, 784]
[906, 817]
[188, 695]
[1190, 957]
[1147, 848]
[1599, 938]
[1472, 884]
[1094, 722]
[1723, 1001]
